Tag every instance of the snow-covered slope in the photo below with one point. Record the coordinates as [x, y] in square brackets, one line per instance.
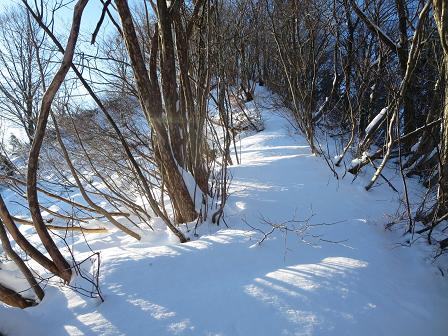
[334, 271]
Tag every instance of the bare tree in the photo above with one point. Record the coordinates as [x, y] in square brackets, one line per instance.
[22, 44]
[168, 137]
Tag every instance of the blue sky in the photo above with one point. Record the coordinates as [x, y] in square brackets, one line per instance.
[63, 17]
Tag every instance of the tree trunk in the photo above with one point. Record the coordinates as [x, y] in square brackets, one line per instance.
[402, 52]
[24, 244]
[19, 262]
[62, 265]
[440, 11]
[14, 299]
[443, 192]
[151, 101]
[168, 78]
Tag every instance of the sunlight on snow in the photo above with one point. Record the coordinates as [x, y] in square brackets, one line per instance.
[279, 288]
[72, 330]
[158, 312]
[97, 322]
[306, 278]
[179, 327]
[240, 205]
[307, 320]
[261, 159]
[294, 278]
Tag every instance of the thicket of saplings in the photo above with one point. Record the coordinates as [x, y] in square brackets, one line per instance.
[369, 77]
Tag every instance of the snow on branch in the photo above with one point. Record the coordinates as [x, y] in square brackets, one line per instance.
[376, 121]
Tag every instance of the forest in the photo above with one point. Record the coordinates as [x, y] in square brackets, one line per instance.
[223, 167]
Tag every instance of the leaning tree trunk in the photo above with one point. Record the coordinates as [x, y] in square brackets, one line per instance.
[20, 240]
[14, 299]
[19, 262]
[64, 270]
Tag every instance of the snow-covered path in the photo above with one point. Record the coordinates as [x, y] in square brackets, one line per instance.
[224, 283]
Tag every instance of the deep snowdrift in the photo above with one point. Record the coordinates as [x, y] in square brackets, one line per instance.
[348, 277]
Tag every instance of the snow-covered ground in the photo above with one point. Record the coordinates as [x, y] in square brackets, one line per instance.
[334, 271]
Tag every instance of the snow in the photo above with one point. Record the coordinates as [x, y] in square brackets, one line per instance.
[17, 322]
[318, 113]
[7, 129]
[11, 277]
[193, 189]
[328, 269]
[337, 157]
[376, 120]
[357, 161]
[416, 145]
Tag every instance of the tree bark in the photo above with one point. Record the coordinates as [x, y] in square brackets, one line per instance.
[168, 78]
[19, 262]
[402, 52]
[151, 101]
[62, 265]
[440, 12]
[24, 244]
[14, 299]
